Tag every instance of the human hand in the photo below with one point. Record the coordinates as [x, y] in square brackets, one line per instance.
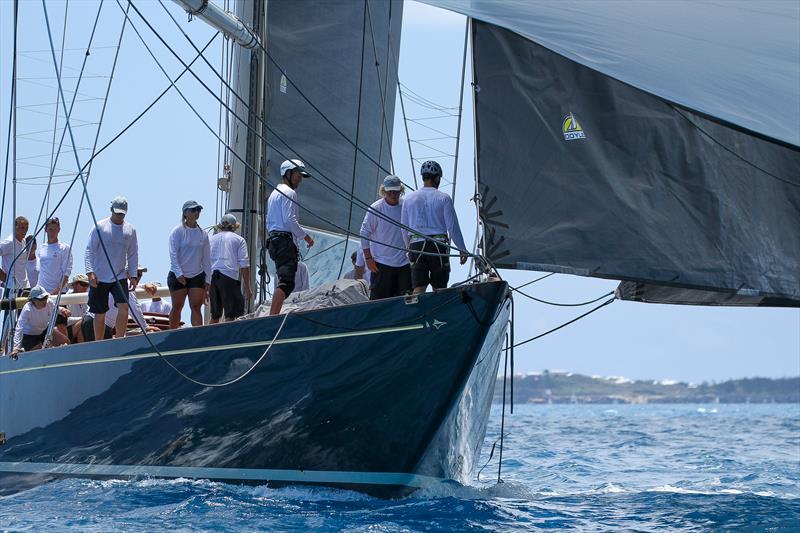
[133, 282]
[248, 293]
[371, 265]
[463, 258]
[150, 288]
[309, 241]
[182, 279]
[65, 312]
[92, 279]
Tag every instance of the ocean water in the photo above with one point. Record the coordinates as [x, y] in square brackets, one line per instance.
[565, 467]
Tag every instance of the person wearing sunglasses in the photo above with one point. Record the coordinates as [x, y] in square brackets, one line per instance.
[117, 276]
[190, 265]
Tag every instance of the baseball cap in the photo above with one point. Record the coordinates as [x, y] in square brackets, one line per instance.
[228, 219]
[290, 164]
[119, 205]
[392, 183]
[80, 278]
[191, 204]
[38, 293]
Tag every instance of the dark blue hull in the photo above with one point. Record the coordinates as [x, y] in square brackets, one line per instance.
[384, 396]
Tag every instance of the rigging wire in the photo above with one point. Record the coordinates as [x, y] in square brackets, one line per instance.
[55, 120]
[384, 122]
[358, 134]
[460, 112]
[408, 136]
[565, 324]
[558, 304]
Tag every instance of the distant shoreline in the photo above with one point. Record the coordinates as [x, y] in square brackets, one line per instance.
[559, 387]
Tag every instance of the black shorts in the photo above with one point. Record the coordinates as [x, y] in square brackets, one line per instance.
[283, 251]
[87, 328]
[390, 281]
[98, 296]
[61, 319]
[225, 295]
[431, 269]
[29, 341]
[196, 282]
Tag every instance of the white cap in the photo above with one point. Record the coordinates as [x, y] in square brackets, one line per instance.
[38, 293]
[290, 164]
[119, 205]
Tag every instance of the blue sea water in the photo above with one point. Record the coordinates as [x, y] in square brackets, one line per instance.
[565, 467]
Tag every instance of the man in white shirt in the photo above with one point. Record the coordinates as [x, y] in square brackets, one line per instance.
[284, 229]
[156, 304]
[230, 263]
[119, 238]
[55, 259]
[429, 212]
[382, 243]
[15, 256]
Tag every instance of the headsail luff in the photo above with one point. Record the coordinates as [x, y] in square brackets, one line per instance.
[585, 174]
[320, 50]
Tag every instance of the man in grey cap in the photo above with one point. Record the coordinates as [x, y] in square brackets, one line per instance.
[285, 231]
[116, 278]
[383, 244]
[230, 267]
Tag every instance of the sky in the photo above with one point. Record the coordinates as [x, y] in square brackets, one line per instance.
[169, 157]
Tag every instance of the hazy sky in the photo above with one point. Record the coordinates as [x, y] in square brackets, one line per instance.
[169, 157]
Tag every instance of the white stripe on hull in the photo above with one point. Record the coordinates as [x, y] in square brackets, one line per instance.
[236, 474]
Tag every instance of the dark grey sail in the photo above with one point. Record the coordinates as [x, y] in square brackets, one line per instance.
[692, 198]
[319, 47]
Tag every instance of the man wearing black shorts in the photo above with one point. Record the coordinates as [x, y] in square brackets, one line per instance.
[120, 242]
[429, 212]
[230, 262]
[284, 229]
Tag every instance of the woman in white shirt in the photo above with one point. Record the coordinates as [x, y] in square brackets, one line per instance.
[33, 322]
[190, 266]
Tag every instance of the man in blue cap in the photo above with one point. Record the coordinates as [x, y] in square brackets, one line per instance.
[383, 245]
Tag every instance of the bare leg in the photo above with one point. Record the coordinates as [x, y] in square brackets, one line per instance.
[77, 331]
[63, 329]
[277, 301]
[178, 299]
[121, 325]
[59, 338]
[196, 298]
[99, 326]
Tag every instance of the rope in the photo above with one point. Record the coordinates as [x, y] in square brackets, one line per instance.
[565, 324]
[384, 126]
[558, 304]
[460, 110]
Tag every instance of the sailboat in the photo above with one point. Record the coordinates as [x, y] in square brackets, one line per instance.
[615, 173]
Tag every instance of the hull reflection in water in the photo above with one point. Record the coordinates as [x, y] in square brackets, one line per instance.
[383, 397]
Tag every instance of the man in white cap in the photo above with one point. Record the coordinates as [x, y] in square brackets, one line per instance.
[33, 322]
[119, 238]
[230, 267]
[285, 231]
[383, 245]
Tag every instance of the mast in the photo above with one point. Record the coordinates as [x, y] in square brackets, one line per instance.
[247, 27]
[245, 198]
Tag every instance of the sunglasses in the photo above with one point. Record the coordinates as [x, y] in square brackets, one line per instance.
[194, 210]
[81, 283]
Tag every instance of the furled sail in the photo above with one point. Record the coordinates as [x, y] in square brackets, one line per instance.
[318, 46]
[669, 160]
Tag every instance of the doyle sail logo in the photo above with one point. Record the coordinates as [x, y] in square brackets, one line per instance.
[572, 129]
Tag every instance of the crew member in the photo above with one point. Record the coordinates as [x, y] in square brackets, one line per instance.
[32, 263]
[122, 246]
[33, 321]
[301, 279]
[429, 212]
[383, 245]
[190, 265]
[157, 304]
[13, 250]
[284, 229]
[77, 311]
[230, 266]
[55, 259]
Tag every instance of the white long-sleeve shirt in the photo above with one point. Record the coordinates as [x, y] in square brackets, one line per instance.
[189, 252]
[301, 282]
[55, 262]
[282, 212]
[9, 248]
[429, 211]
[381, 232]
[156, 306]
[228, 253]
[32, 321]
[123, 249]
